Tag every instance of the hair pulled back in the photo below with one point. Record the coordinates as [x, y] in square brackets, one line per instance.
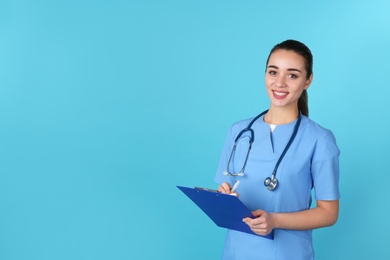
[304, 51]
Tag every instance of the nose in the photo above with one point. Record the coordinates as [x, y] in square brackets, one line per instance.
[280, 82]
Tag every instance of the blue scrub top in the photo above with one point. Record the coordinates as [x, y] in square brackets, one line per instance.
[312, 161]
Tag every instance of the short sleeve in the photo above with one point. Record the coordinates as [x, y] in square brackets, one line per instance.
[325, 168]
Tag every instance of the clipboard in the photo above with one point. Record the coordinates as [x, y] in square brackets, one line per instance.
[224, 210]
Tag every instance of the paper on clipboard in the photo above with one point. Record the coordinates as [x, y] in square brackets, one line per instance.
[224, 210]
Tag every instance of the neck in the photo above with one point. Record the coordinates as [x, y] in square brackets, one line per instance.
[280, 116]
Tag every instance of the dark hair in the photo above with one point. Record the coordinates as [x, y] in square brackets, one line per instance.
[304, 51]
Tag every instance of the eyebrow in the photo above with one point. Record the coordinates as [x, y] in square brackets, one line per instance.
[289, 69]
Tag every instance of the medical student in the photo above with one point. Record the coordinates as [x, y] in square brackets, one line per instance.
[280, 196]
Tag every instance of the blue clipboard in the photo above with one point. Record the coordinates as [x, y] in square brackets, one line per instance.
[224, 210]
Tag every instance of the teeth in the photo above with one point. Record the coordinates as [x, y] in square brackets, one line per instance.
[280, 93]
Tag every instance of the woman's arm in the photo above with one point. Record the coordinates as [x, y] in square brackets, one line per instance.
[325, 214]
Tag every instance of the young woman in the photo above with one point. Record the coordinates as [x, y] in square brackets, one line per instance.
[290, 155]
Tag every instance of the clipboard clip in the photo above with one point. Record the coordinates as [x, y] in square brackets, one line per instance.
[206, 189]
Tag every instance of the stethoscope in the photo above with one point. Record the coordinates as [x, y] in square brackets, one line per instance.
[270, 182]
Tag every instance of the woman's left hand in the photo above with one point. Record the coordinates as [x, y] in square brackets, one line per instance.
[262, 224]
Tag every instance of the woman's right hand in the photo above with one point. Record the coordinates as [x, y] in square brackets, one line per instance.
[226, 188]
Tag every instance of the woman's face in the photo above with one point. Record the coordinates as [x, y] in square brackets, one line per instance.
[285, 78]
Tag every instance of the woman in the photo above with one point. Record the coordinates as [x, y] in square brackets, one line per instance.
[282, 204]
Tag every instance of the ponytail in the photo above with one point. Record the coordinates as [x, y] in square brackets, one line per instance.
[303, 105]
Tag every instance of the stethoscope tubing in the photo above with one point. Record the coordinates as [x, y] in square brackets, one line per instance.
[269, 180]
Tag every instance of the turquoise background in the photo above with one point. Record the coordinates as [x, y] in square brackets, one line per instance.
[106, 106]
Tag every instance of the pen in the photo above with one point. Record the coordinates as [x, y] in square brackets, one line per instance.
[235, 186]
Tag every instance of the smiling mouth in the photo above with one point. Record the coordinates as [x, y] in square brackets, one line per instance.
[280, 94]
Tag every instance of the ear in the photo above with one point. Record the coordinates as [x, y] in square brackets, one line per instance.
[308, 81]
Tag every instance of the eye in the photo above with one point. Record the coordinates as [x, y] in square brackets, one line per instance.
[293, 76]
[272, 72]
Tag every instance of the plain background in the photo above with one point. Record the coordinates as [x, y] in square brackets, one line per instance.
[106, 106]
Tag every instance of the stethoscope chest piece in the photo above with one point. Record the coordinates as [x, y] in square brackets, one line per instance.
[271, 183]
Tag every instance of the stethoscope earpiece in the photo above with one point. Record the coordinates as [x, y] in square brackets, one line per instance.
[240, 174]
